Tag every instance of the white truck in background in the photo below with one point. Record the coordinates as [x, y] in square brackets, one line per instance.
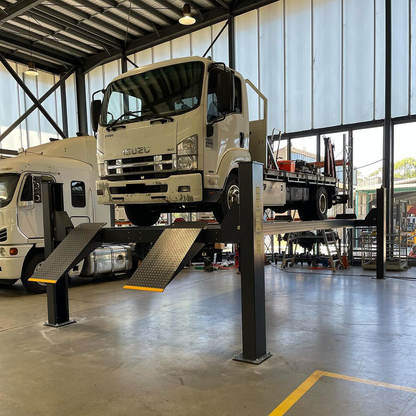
[170, 137]
[71, 162]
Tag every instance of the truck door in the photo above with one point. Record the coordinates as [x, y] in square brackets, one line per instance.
[76, 206]
[29, 211]
[228, 132]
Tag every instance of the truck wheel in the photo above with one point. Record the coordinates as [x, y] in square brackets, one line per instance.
[229, 197]
[32, 264]
[319, 204]
[140, 215]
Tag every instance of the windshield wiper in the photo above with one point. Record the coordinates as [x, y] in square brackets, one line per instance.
[127, 113]
[161, 119]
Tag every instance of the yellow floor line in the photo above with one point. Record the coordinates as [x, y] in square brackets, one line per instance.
[151, 289]
[311, 380]
[42, 280]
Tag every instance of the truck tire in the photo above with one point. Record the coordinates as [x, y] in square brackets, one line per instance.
[229, 197]
[140, 215]
[319, 204]
[316, 208]
[29, 270]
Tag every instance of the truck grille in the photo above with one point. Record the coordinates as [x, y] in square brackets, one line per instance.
[3, 234]
[144, 164]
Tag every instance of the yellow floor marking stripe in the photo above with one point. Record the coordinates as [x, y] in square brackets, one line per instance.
[150, 289]
[310, 382]
[42, 280]
[370, 382]
[297, 394]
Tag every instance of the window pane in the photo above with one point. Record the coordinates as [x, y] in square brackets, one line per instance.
[78, 194]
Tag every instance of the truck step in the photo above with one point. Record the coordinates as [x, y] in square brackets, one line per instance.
[80, 242]
[173, 250]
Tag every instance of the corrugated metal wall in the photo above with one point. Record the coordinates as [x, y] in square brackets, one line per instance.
[14, 102]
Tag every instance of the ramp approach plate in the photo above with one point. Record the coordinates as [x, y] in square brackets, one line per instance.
[80, 242]
[172, 251]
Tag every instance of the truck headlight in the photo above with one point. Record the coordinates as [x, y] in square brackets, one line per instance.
[102, 167]
[187, 162]
[189, 146]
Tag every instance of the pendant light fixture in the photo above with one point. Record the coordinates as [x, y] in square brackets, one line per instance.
[187, 19]
[31, 69]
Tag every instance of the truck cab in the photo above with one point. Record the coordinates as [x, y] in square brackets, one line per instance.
[71, 162]
[171, 135]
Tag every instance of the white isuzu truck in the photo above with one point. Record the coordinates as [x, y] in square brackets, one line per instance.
[171, 136]
[71, 162]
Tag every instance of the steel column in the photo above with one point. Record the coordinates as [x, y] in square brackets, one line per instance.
[231, 41]
[252, 264]
[388, 126]
[381, 233]
[57, 294]
[64, 106]
[81, 102]
[31, 96]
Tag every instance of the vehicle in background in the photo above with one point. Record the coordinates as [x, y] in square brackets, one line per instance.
[171, 135]
[71, 162]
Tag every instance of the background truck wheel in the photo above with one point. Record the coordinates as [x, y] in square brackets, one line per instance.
[7, 282]
[316, 208]
[140, 215]
[229, 197]
[28, 272]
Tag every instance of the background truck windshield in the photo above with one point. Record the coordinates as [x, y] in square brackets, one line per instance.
[8, 183]
[161, 92]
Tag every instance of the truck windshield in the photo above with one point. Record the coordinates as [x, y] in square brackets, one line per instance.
[161, 92]
[8, 183]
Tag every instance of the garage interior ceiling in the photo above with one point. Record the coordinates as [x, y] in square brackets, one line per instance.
[59, 34]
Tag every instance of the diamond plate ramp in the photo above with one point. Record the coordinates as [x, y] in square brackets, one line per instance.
[80, 242]
[172, 251]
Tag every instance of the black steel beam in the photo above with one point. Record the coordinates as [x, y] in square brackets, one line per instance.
[9, 152]
[155, 12]
[170, 6]
[42, 50]
[74, 29]
[381, 233]
[18, 9]
[81, 102]
[31, 96]
[115, 18]
[77, 25]
[172, 32]
[60, 83]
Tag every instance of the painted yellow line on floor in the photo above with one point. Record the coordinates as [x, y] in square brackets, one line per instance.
[311, 380]
[150, 289]
[42, 280]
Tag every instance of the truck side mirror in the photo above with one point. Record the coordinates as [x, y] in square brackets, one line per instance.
[210, 130]
[95, 114]
[226, 92]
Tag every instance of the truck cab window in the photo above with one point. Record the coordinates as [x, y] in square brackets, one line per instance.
[78, 194]
[212, 104]
[27, 191]
[238, 96]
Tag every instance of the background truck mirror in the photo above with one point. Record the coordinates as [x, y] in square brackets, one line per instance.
[95, 114]
[226, 92]
[210, 130]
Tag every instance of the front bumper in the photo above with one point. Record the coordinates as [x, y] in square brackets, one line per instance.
[11, 266]
[136, 191]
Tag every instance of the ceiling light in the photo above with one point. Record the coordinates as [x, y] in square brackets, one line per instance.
[32, 69]
[187, 19]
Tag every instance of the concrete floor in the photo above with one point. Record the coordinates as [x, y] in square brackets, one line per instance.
[170, 353]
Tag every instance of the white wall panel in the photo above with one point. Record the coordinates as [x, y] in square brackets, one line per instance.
[298, 65]
[45, 81]
[247, 55]
[219, 51]
[271, 34]
[380, 66]
[400, 58]
[327, 63]
[72, 105]
[358, 61]
[161, 52]
[144, 57]
[32, 121]
[200, 41]
[111, 70]
[181, 47]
